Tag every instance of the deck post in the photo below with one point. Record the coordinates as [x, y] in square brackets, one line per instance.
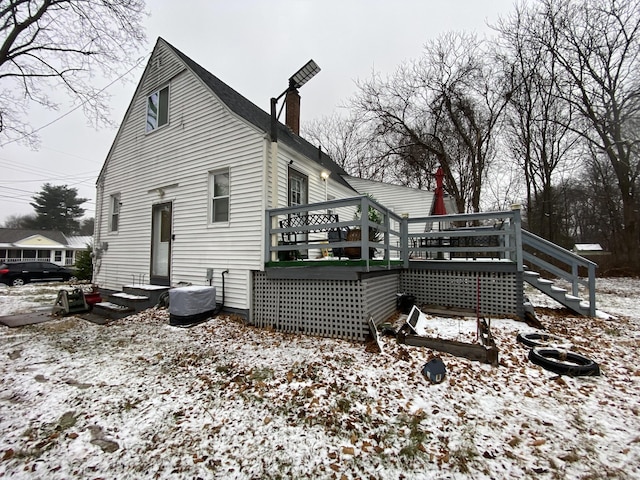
[517, 227]
[404, 238]
[364, 229]
[574, 280]
[267, 241]
[592, 289]
[387, 251]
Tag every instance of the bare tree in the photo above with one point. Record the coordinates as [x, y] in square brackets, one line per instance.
[443, 109]
[19, 221]
[538, 121]
[60, 46]
[596, 44]
[346, 141]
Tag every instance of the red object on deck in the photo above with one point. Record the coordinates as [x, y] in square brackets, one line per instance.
[438, 207]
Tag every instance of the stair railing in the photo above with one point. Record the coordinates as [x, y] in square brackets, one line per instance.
[568, 259]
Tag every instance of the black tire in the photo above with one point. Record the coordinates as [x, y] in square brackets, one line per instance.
[19, 281]
[540, 339]
[564, 362]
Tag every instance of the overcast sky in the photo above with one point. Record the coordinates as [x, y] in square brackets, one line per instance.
[254, 46]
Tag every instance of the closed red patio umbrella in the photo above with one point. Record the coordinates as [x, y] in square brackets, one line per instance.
[438, 207]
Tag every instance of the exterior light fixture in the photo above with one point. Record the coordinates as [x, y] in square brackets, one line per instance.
[324, 175]
[302, 76]
[298, 79]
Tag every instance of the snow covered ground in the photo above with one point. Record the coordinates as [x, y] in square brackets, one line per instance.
[140, 399]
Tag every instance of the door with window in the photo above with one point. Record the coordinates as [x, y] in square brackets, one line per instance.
[161, 244]
[298, 195]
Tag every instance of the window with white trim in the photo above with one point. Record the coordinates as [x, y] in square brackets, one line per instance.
[158, 109]
[114, 216]
[219, 196]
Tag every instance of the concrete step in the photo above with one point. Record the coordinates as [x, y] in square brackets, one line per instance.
[137, 302]
[111, 310]
[152, 292]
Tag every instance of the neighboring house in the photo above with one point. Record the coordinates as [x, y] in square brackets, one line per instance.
[190, 174]
[48, 245]
[404, 201]
[589, 250]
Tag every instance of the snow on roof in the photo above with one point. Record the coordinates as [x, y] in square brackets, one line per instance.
[79, 241]
[587, 247]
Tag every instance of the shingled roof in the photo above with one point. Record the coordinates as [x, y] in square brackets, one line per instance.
[261, 119]
[13, 235]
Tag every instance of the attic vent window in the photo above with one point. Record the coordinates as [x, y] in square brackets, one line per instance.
[158, 109]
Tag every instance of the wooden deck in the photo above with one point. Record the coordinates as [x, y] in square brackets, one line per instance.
[314, 245]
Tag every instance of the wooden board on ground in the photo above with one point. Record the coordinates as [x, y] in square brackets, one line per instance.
[472, 351]
[448, 311]
[375, 334]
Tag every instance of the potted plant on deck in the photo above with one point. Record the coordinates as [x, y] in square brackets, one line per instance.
[354, 234]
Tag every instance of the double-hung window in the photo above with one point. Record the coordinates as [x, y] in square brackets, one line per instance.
[114, 218]
[219, 195]
[158, 109]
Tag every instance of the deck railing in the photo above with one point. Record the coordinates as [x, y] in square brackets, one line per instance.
[64, 262]
[490, 235]
[471, 236]
[309, 239]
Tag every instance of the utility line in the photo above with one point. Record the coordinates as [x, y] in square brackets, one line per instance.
[140, 60]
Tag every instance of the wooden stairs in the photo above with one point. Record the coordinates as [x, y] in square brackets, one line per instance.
[559, 294]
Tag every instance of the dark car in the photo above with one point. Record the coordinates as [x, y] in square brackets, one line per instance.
[19, 273]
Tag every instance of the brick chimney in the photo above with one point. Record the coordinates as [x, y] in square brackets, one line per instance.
[292, 101]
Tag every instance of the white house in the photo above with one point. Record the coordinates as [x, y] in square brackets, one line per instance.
[200, 181]
[190, 174]
[18, 245]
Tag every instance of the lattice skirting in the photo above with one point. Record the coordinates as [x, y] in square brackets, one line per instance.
[328, 308]
[500, 292]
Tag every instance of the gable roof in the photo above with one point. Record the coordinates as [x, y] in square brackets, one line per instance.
[253, 114]
[13, 235]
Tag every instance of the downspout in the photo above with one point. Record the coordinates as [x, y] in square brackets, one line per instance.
[274, 155]
[97, 228]
[274, 171]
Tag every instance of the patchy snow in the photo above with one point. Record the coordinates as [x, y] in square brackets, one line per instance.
[138, 398]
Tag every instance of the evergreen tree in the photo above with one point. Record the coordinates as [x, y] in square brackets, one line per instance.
[84, 264]
[57, 208]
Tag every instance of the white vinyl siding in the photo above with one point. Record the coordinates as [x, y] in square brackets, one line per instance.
[401, 200]
[173, 165]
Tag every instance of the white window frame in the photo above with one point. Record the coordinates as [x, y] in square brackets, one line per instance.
[161, 119]
[114, 212]
[213, 196]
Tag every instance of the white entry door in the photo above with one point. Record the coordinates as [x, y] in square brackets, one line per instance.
[161, 244]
